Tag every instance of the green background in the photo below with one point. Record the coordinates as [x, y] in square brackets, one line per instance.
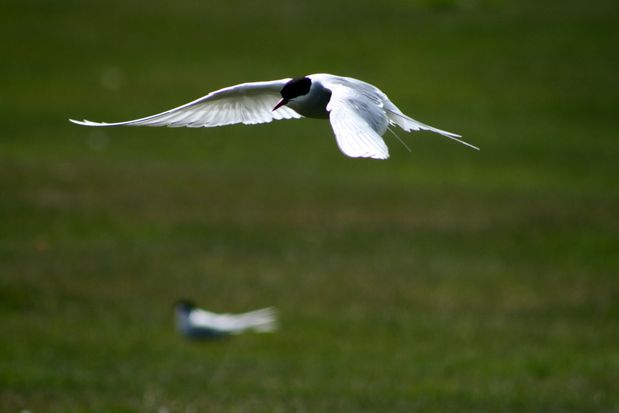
[444, 279]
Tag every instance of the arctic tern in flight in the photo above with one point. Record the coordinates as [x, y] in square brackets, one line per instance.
[359, 112]
[196, 323]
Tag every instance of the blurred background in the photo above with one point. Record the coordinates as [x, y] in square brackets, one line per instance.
[444, 279]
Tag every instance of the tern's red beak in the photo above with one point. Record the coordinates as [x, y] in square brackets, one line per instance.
[281, 103]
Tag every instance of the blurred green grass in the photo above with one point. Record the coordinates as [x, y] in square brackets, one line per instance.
[441, 280]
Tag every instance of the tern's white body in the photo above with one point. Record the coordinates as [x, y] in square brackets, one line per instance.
[359, 112]
[314, 104]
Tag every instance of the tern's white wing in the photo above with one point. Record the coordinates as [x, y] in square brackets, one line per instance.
[247, 103]
[358, 122]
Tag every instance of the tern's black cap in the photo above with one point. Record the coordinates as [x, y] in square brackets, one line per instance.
[184, 305]
[298, 86]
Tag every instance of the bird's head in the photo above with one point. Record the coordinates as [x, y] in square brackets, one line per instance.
[299, 86]
[184, 306]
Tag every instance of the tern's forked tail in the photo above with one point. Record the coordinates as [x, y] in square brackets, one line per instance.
[409, 124]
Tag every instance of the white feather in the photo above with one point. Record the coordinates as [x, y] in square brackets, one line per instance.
[247, 103]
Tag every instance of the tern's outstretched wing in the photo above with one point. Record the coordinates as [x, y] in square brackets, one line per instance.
[358, 123]
[247, 103]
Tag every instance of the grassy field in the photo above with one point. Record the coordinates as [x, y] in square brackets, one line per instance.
[441, 280]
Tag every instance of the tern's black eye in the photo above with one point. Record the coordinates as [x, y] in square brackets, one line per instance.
[296, 87]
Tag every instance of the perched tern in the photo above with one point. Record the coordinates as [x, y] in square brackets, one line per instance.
[359, 112]
[193, 322]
